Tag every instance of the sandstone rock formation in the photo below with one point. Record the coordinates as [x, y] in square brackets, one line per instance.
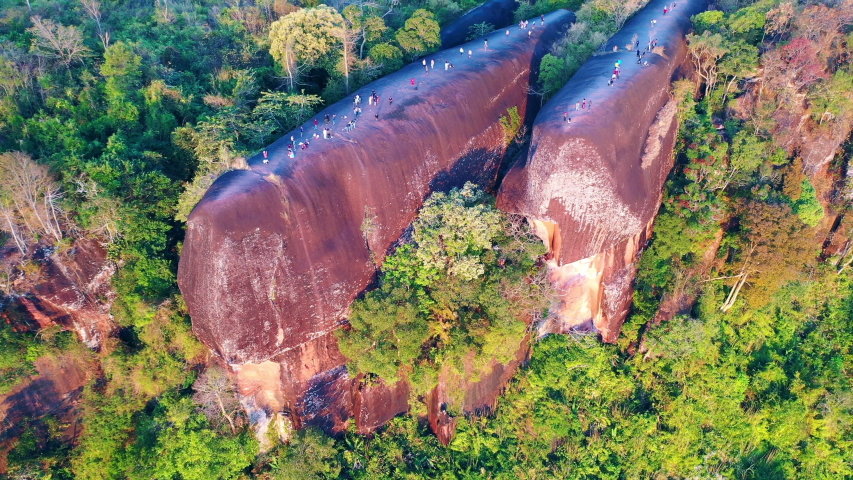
[71, 289]
[274, 255]
[593, 186]
[55, 390]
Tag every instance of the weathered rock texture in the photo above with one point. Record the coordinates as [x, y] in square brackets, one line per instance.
[274, 255]
[55, 389]
[71, 289]
[593, 186]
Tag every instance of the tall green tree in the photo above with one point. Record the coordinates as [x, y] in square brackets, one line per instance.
[300, 40]
[421, 33]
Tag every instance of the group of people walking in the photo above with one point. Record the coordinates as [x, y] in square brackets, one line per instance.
[617, 67]
[329, 122]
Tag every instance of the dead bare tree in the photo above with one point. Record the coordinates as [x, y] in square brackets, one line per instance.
[745, 271]
[53, 40]
[215, 392]
[32, 191]
[93, 8]
[11, 226]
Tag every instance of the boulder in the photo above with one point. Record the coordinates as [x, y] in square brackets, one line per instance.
[274, 255]
[592, 186]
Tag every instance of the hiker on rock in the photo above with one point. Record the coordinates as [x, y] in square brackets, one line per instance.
[266, 157]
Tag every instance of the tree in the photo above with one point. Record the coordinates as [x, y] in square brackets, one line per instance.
[512, 125]
[51, 40]
[478, 30]
[794, 66]
[740, 61]
[300, 40]
[420, 34]
[30, 197]
[280, 112]
[387, 55]
[705, 51]
[368, 27]
[348, 37]
[310, 456]
[93, 8]
[552, 74]
[216, 394]
[776, 249]
[808, 207]
[122, 69]
[451, 229]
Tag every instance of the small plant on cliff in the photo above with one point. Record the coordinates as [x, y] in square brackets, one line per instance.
[368, 228]
[478, 30]
[454, 298]
[512, 124]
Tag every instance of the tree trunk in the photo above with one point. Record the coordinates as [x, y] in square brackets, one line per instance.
[225, 414]
[14, 232]
[346, 61]
[730, 300]
[49, 200]
[727, 90]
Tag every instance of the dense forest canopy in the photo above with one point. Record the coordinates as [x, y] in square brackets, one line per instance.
[735, 362]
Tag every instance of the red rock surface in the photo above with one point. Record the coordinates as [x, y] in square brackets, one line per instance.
[72, 290]
[595, 184]
[55, 389]
[274, 255]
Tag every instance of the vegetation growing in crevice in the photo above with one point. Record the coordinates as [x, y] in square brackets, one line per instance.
[456, 296]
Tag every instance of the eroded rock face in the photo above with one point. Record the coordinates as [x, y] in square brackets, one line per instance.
[594, 185]
[72, 289]
[274, 255]
[55, 389]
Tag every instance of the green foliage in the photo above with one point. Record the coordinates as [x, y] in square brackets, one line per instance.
[807, 207]
[512, 125]
[552, 74]
[420, 35]
[462, 286]
[479, 29]
[311, 455]
[18, 350]
[387, 55]
[303, 38]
